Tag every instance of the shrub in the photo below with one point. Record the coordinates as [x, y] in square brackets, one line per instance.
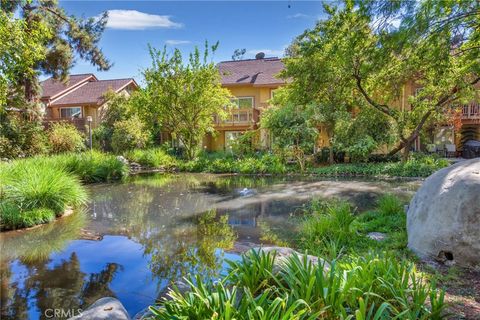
[373, 287]
[129, 134]
[64, 137]
[34, 192]
[389, 205]
[91, 166]
[327, 224]
[153, 158]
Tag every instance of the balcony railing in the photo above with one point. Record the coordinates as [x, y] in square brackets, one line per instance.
[79, 123]
[471, 112]
[237, 117]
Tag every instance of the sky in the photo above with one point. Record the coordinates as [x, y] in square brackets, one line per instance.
[267, 26]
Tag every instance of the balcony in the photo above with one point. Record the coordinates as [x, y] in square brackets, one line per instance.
[471, 113]
[79, 123]
[238, 117]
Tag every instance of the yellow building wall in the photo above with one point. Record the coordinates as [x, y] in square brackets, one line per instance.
[261, 96]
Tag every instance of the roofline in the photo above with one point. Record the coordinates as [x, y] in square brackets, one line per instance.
[273, 84]
[253, 59]
[72, 87]
[96, 103]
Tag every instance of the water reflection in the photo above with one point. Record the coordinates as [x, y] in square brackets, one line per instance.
[138, 236]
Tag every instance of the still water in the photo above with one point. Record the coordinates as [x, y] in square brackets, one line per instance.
[137, 236]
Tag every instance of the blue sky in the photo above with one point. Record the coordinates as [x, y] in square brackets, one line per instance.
[267, 26]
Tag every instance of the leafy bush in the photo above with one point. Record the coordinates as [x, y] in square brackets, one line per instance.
[411, 168]
[373, 287]
[91, 166]
[64, 137]
[34, 192]
[227, 163]
[129, 134]
[153, 158]
[389, 205]
[327, 224]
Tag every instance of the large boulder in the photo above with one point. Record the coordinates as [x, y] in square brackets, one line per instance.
[104, 309]
[443, 219]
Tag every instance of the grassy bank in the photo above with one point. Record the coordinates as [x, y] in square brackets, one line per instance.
[39, 189]
[361, 278]
[422, 167]
[266, 163]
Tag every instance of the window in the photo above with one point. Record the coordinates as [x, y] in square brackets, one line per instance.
[243, 102]
[272, 93]
[73, 112]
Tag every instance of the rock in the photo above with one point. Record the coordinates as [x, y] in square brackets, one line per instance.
[181, 285]
[443, 220]
[104, 309]
[283, 253]
[377, 236]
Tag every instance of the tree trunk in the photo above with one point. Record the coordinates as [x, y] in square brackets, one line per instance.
[406, 151]
[331, 159]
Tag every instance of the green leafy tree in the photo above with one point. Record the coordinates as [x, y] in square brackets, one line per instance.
[129, 134]
[367, 59]
[238, 54]
[60, 36]
[292, 129]
[185, 96]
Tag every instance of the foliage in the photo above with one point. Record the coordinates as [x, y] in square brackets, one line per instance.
[365, 60]
[91, 166]
[20, 137]
[64, 137]
[227, 163]
[374, 286]
[129, 134]
[119, 107]
[184, 97]
[293, 130]
[411, 168]
[245, 144]
[327, 225]
[33, 192]
[152, 158]
[238, 54]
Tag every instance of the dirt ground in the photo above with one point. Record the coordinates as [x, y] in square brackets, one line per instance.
[462, 292]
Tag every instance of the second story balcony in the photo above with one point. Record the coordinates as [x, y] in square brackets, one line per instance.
[239, 117]
[471, 113]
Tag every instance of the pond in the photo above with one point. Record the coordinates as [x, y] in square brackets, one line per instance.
[136, 236]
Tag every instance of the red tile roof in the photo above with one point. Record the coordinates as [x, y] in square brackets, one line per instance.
[92, 92]
[260, 72]
[52, 87]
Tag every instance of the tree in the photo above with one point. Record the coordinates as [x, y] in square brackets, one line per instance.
[293, 130]
[238, 54]
[436, 46]
[185, 96]
[63, 36]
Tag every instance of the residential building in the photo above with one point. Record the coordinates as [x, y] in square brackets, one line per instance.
[252, 84]
[80, 97]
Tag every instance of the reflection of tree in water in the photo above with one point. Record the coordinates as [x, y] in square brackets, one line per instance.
[62, 286]
[194, 250]
[160, 213]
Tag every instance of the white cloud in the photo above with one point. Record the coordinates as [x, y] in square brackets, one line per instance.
[298, 16]
[177, 42]
[136, 20]
[270, 52]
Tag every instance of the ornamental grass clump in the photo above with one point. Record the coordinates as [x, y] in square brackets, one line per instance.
[151, 158]
[32, 193]
[375, 286]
